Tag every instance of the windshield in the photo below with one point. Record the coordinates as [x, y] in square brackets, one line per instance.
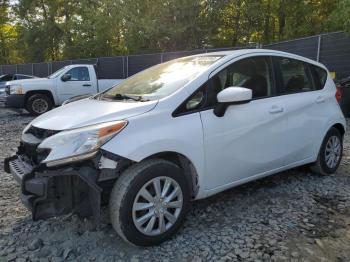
[161, 80]
[57, 73]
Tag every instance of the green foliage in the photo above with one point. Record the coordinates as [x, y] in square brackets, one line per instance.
[8, 36]
[340, 18]
[42, 30]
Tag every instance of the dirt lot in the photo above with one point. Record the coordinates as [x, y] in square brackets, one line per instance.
[291, 216]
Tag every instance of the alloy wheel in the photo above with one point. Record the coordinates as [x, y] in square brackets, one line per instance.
[333, 151]
[157, 206]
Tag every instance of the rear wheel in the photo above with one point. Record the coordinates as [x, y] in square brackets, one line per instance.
[330, 154]
[149, 202]
[38, 104]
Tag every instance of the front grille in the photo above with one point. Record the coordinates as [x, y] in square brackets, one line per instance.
[29, 147]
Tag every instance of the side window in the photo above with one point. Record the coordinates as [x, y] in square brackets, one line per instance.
[22, 77]
[5, 78]
[296, 76]
[320, 77]
[18, 77]
[79, 74]
[254, 73]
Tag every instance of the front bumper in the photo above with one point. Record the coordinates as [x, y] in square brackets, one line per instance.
[49, 192]
[14, 101]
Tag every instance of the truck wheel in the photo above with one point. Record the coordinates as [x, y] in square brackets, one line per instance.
[38, 104]
[149, 202]
[330, 153]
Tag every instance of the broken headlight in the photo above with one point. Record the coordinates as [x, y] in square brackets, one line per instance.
[79, 144]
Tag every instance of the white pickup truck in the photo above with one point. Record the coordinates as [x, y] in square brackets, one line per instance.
[40, 95]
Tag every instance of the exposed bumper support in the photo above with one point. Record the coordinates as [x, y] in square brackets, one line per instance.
[54, 192]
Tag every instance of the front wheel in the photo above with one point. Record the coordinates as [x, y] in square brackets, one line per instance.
[330, 154]
[149, 202]
[38, 104]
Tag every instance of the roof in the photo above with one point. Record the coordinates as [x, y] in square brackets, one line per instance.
[230, 54]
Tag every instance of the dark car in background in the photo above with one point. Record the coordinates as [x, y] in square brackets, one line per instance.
[9, 77]
[343, 85]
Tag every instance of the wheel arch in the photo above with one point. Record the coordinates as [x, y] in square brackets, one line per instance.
[339, 125]
[183, 162]
[34, 92]
[340, 128]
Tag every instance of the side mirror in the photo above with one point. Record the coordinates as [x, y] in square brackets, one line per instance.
[231, 96]
[66, 77]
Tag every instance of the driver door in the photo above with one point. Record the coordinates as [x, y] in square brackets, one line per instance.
[250, 139]
[79, 84]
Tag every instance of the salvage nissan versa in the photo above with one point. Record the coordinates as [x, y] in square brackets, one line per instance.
[179, 131]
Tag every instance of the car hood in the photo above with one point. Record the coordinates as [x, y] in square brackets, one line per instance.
[27, 81]
[89, 112]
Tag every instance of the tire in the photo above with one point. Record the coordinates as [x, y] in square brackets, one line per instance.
[38, 104]
[126, 193]
[321, 166]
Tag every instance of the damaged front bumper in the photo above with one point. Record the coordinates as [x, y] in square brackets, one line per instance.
[76, 188]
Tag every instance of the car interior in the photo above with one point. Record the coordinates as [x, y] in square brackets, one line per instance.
[251, 73]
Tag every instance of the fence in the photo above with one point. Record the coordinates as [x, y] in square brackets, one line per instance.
[117, 67]
[332, 49]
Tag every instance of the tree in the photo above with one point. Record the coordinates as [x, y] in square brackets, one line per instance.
[94, 29]
[39, 29]
[156, 25]
[44, 30]
[8, 36]
[340, 17]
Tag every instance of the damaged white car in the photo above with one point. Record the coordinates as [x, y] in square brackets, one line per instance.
[179, 131]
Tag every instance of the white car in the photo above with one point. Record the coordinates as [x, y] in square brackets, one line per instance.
[39, 95]
[179, 131]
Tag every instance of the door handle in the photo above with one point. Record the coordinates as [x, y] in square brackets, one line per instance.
[86, 85]
[276, 110]
[319, 99]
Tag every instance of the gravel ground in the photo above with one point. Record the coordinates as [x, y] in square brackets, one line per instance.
[291, 216]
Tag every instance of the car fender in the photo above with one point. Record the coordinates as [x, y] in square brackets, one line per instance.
[144, 137]
[333, 120]
[38, 85]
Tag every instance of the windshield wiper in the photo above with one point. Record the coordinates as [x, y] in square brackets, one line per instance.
[122, 97]
[135, 98]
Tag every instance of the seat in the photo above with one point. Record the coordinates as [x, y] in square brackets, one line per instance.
[295, 84]
[258, 85]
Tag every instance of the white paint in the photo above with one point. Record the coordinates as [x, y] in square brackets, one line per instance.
[60, 90]
[250, 141]
[234, 94]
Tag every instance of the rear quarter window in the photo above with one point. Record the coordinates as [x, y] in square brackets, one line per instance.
[320, 77]
[296, 75]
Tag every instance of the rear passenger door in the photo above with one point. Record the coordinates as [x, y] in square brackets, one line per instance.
[303, 104]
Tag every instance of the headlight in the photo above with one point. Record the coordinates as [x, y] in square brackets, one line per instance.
[15, 89]
[79, 144]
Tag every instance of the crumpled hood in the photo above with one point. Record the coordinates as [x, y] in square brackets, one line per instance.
[89, 112]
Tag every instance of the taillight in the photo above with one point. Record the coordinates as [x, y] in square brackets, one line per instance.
[338, 93]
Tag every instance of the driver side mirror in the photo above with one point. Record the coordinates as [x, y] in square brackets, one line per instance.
[66, 77]
[231, 96]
